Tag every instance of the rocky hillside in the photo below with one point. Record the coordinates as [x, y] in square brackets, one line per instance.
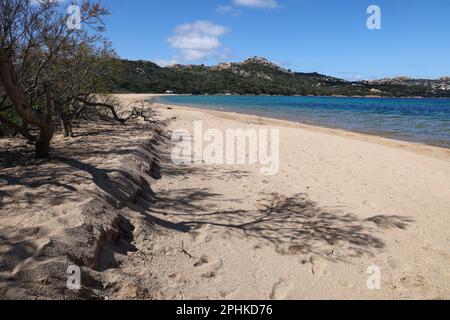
[260, 76]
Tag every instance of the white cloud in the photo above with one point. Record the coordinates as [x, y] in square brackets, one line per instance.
[224, 8]
[234, 7]
[198, 40]
[257, 3]
[228, 9]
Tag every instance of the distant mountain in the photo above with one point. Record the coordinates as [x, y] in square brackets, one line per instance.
[259, 76]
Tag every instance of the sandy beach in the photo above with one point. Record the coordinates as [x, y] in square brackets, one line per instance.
[341, 204]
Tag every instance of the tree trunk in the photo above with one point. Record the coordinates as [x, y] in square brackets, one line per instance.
[15, 91]
[66, 128]
[65, 132]
[69, 129]
[42, 147]
[16, 94]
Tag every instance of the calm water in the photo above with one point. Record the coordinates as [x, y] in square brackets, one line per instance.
[418, 120]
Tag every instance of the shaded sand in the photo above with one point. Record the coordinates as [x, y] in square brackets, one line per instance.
[341, 203]
[79, 209]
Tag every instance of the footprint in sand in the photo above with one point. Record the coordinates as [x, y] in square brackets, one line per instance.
[415, 282]
[318, 266]
[203, 260]
[280, 290]
[201, 234]
[226, 293]
[213, 270]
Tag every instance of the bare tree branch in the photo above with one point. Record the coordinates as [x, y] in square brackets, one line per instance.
[104, 105]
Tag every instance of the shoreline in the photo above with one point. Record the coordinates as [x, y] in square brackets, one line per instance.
[420, 148]
[395, 191]
[294, 95]
[147, 228]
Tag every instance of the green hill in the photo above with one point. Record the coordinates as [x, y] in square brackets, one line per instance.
[260, 77]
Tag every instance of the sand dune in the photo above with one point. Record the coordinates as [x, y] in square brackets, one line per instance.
[341, 203]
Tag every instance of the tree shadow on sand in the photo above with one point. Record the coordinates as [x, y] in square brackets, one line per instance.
[78, 162]
[291, 225]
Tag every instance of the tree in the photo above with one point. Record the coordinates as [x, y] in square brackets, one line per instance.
[46, 64]
[89, 70]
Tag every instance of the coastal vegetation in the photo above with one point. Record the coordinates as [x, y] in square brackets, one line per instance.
[109, 196]
[258, 76]
[51, 72]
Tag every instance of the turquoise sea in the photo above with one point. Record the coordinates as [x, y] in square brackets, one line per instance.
[424, 121]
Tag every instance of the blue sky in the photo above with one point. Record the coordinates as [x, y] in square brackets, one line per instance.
[327, 36]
